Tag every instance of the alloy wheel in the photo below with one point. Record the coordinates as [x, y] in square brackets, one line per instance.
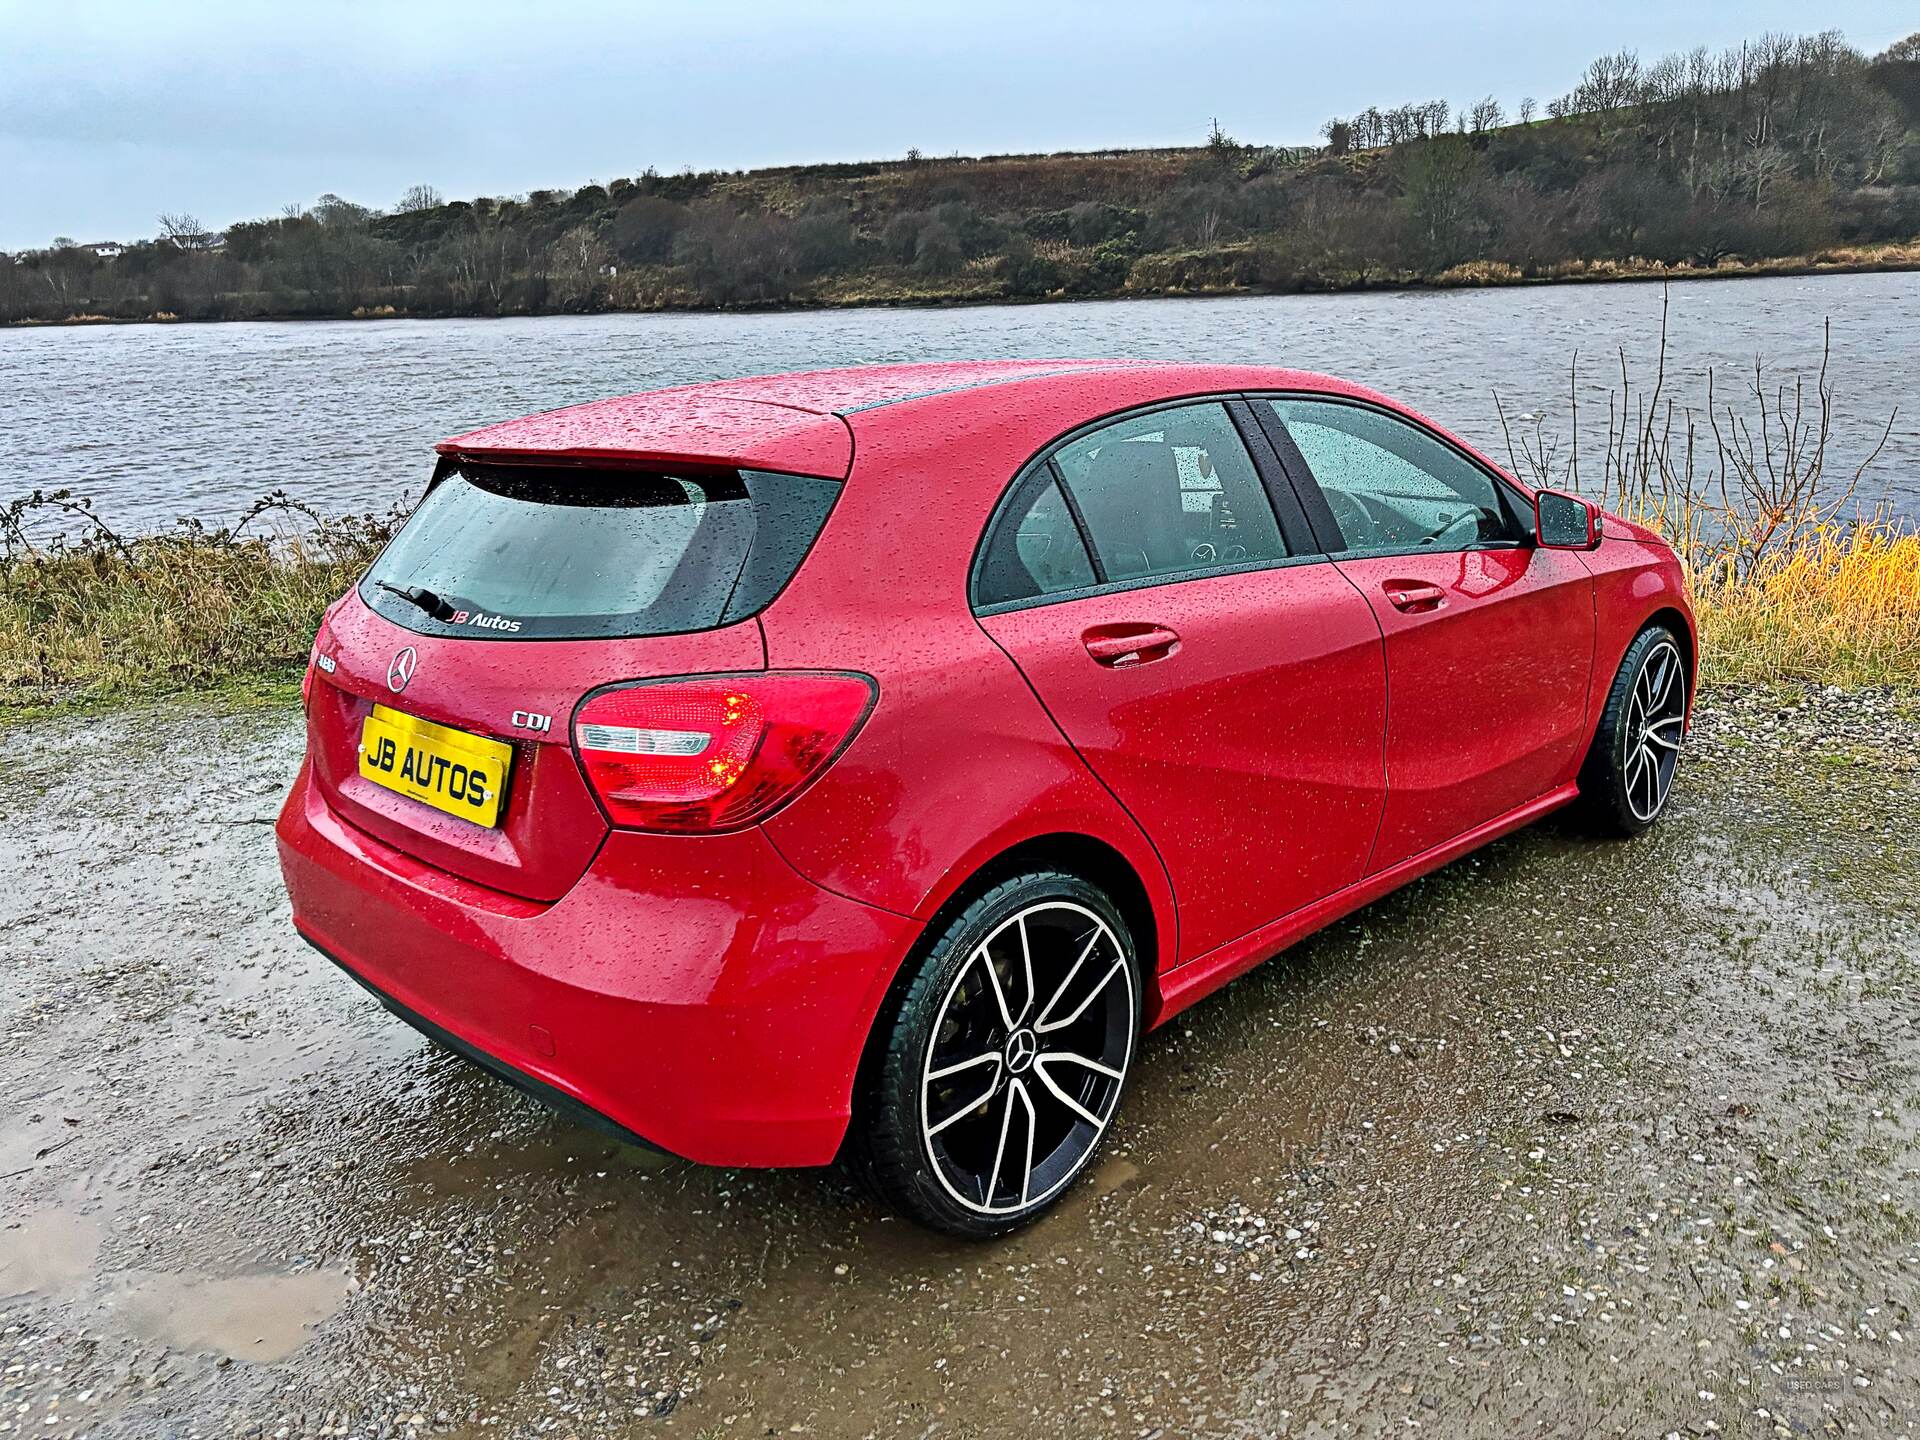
[1655, 726]
[1029, 1054]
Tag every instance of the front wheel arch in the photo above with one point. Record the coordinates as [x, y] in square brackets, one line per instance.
[1612, 802]
[1684, 630]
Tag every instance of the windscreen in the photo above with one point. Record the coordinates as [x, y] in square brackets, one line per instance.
[551, 552]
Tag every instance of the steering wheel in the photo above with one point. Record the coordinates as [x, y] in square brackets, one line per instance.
[1463, 527]
[1350, 513]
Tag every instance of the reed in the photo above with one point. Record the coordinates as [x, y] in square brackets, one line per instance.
[1795, 577]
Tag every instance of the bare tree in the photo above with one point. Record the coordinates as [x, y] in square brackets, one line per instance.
[186, 232]
[419, 197]
[331, 210]
[1485, 115]
[1528, 107]
[1759, 168]
[1611, 82]
[575, 263]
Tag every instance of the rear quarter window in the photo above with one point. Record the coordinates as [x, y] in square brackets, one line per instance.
[552, 552]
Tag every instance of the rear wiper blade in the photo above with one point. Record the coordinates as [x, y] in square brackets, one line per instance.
[424, 598]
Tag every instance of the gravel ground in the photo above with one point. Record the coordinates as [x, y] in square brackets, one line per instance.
[1571, 1137]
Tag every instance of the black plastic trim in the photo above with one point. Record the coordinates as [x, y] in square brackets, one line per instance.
[1283, 494]
[1094, 563]
[551, 1096]
[1313, 500]
[1152, 582]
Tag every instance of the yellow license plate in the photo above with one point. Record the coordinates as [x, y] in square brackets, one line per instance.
[462, 774]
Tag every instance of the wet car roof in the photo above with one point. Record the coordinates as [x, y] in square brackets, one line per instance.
[799, 422]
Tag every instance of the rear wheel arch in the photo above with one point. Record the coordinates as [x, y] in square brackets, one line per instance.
[1075, 853]
[1093, 860]
[1101, 865]
[1065, 880]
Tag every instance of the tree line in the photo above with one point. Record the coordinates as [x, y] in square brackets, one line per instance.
[1780, 147]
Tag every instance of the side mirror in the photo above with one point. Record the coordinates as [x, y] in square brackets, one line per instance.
[1565, 522]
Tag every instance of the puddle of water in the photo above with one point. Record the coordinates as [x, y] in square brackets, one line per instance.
[263, 1318]
[47, 1253]
[1114, 1173]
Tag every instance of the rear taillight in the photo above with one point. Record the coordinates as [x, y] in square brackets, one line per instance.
[713, 752]
[318, 658]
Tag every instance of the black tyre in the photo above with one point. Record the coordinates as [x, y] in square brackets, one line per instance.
[1629, 772]
[1004, 1057]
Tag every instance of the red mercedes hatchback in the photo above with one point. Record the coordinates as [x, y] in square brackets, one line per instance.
[855, 764]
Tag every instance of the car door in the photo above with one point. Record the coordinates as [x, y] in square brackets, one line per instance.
[1489, 640]
[1222, 679]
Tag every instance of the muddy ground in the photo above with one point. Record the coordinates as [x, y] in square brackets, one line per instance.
[1571, 1137]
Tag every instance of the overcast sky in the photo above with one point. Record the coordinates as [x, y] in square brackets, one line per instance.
[113, 112]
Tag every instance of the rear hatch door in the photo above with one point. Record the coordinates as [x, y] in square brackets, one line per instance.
[512, 592]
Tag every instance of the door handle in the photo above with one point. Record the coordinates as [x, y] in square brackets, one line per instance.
[1414, 595]
[1129, 644]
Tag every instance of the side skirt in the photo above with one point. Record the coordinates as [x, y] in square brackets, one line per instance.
[1202, 975]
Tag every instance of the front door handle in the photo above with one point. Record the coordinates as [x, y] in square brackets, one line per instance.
[1129, 644]
[1414, 595]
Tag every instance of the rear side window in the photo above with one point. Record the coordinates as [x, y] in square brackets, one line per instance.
[1169, 492]
[552, 552]
[1035, 548]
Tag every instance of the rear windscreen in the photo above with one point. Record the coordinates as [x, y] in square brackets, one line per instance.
[548, 553]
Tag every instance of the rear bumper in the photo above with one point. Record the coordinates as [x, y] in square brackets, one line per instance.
[693, 994]
[546, 1094]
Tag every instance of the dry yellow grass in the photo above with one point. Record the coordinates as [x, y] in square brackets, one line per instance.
[1840, 606]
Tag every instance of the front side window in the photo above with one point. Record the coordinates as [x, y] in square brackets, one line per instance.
[1391, 486]
[1168, 493]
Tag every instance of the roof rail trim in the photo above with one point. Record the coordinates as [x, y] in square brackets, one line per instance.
[982, 384]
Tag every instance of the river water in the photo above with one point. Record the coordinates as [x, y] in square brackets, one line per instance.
[156, 422]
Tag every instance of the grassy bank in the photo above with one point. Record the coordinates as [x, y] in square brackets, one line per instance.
[1842, 608]
[100, 617]
[1795, 581]
[99, 624]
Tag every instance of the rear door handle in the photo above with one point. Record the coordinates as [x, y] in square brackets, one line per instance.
[1414, 595]
[1129, 644]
